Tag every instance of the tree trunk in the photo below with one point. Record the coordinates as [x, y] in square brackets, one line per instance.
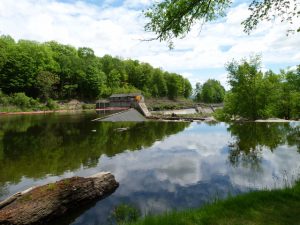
[39, 205]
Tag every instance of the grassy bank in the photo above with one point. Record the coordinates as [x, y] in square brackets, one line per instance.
[19, 102]
[262, 207]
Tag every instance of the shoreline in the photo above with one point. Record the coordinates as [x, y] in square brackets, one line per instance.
[257, 207]
[43, 112]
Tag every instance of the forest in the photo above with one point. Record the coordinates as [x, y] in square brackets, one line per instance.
[52, 70]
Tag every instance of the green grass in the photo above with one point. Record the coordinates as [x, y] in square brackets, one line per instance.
[51, 186]
[263, 207]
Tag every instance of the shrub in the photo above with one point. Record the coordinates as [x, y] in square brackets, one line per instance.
[4, 99]
[51, 104]
[88, 106]
[220, 115]
[21, 100]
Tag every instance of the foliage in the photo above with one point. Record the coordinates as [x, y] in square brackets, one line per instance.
[255, 94]
[53, 70]
[210, 92]
[270, 9]
[245, 80]
[52, 105]
[174, 18]
[45, 82]
[220, 115]
[21, 102]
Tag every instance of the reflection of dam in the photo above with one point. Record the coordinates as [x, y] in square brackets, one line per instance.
[118, 102]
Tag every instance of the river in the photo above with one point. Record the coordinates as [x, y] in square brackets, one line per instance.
[160, 166]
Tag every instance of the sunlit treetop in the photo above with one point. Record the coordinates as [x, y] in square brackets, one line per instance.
[171, 19]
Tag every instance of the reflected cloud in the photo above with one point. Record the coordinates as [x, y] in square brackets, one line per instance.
[165, 166]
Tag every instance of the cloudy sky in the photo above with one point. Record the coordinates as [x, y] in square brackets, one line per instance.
[116, 27]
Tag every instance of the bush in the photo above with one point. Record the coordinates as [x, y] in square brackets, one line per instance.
[88, 106]
[220, 115]
[51, 104]
[22, 101]
[19, 102]
[4, 99]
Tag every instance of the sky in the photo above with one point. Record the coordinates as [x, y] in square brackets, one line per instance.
[116, 27]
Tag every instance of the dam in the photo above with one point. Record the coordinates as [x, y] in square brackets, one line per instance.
[132, 107]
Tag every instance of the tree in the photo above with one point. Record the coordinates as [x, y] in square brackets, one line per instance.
[187, 88]
[211, 92]
[45, 83]
[245, 79]
[255, 94]
[44, 69]
[197, 91]
[174, 18]
[289, 101]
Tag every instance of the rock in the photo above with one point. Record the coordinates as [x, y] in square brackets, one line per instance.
[121, 129]
[40, 205]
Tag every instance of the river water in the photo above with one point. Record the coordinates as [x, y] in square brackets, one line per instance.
[160, 166]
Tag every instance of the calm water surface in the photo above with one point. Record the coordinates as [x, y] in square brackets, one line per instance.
[160, 166]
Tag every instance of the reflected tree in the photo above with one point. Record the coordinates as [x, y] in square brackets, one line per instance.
[50, 145]
[251, 138]
[293, 137]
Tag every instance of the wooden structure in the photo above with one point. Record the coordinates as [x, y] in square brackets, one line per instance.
[119, 102]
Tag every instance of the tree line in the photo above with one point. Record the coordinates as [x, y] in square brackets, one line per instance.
[53, 70]
[255, 94]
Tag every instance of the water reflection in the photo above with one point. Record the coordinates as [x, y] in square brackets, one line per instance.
[251, 138]
[193, 167]
[160, 166]
[39, 146]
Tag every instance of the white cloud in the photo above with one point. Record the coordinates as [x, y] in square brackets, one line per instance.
[119, 30]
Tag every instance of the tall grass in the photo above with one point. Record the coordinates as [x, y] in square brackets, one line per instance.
[267, 207]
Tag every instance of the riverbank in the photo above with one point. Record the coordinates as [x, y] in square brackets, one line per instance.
[159, 104]
[58, 107]
[43, 112]
[261, 207]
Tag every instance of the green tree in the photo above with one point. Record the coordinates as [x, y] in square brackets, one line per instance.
[46, 82]
[61, 71]
[289, 101]
[245, 80]
[211, 92]
[187, 88]
[256, 95]
[174, 18]
[159, 84]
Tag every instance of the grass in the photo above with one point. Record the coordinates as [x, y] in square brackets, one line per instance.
[51, 186]
[275, 207]
[25, 198]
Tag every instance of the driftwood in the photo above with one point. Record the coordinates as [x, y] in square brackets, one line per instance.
[39, 205]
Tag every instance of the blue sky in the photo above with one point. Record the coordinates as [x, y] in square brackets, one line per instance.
[115, 27]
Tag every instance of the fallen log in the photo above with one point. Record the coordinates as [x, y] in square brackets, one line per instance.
[39, 205]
